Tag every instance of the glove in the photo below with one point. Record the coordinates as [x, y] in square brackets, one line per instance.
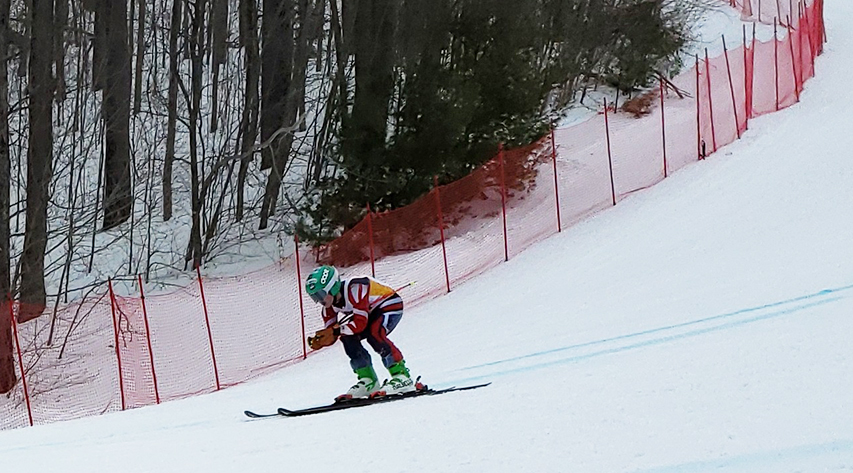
[325, 337]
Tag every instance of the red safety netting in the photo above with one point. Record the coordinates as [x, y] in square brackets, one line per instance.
[111, 352]
[469, 212]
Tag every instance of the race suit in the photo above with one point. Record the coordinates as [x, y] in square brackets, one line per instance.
[369, 310]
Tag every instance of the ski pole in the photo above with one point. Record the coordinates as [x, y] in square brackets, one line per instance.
[405, 286]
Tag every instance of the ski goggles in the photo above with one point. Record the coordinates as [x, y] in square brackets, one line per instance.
[318, 296]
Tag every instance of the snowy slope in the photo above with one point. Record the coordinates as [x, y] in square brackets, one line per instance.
[701, 325]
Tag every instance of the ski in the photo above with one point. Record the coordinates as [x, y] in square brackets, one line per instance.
[255, 415]
[337, 406]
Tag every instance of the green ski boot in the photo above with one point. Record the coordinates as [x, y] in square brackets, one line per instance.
[366, 385]
[401, 381]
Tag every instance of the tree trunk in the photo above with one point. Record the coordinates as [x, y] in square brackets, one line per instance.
[140, 58]
[118, 196]
[61, 22]
[39, 160]
[99, 43]
[277, 74]
[249, 121]
[276, 70]
[171, 126]
[196, 50]
[374, 80]
[219, 38]
[340, 52]
[348, 13]
[7, 357]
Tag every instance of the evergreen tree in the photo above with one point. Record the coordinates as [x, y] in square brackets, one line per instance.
[439, 87]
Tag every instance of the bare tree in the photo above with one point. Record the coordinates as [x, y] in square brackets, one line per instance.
[118, 198]
[39, 159]
[140, 57]
[99, 47]
[276, 68]
[219, 38]
[172, 105]
[284, 61]
[7, 359]
[249, 121]
[60, 12]
[195, 46]
[374, 77]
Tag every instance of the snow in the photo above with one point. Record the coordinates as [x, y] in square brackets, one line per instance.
[700, 325]
[722, 21]
[719, 21]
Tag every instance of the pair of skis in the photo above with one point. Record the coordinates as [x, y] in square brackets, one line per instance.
[351, 403]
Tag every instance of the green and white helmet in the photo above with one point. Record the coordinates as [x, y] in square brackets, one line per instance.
[323, 280]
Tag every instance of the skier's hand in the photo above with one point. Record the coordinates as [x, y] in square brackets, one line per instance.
[325, 337]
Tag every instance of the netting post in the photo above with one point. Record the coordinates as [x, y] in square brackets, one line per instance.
[805, 24]
[791, 14]
[148, 338]
[370, 236]
[299, 294]
[747, 71]
[814, 26]
[822, 27]
[20, 358]
[556, 181]
[698, 115]
[118, 350]
[663, 127]
[731, 86]
[806, 19]
[793, 60]
[441, 230]
[209, 332]
[802, 17]
[710, 102]
[776, 58]
[813, 30]
[609, 153]
[503, 199]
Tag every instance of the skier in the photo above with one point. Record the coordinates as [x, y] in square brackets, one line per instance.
[370, 310]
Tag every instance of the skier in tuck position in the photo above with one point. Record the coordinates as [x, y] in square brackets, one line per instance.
[369, 310]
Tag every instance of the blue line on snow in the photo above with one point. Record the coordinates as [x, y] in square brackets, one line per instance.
[669, 327]
[656, 341]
